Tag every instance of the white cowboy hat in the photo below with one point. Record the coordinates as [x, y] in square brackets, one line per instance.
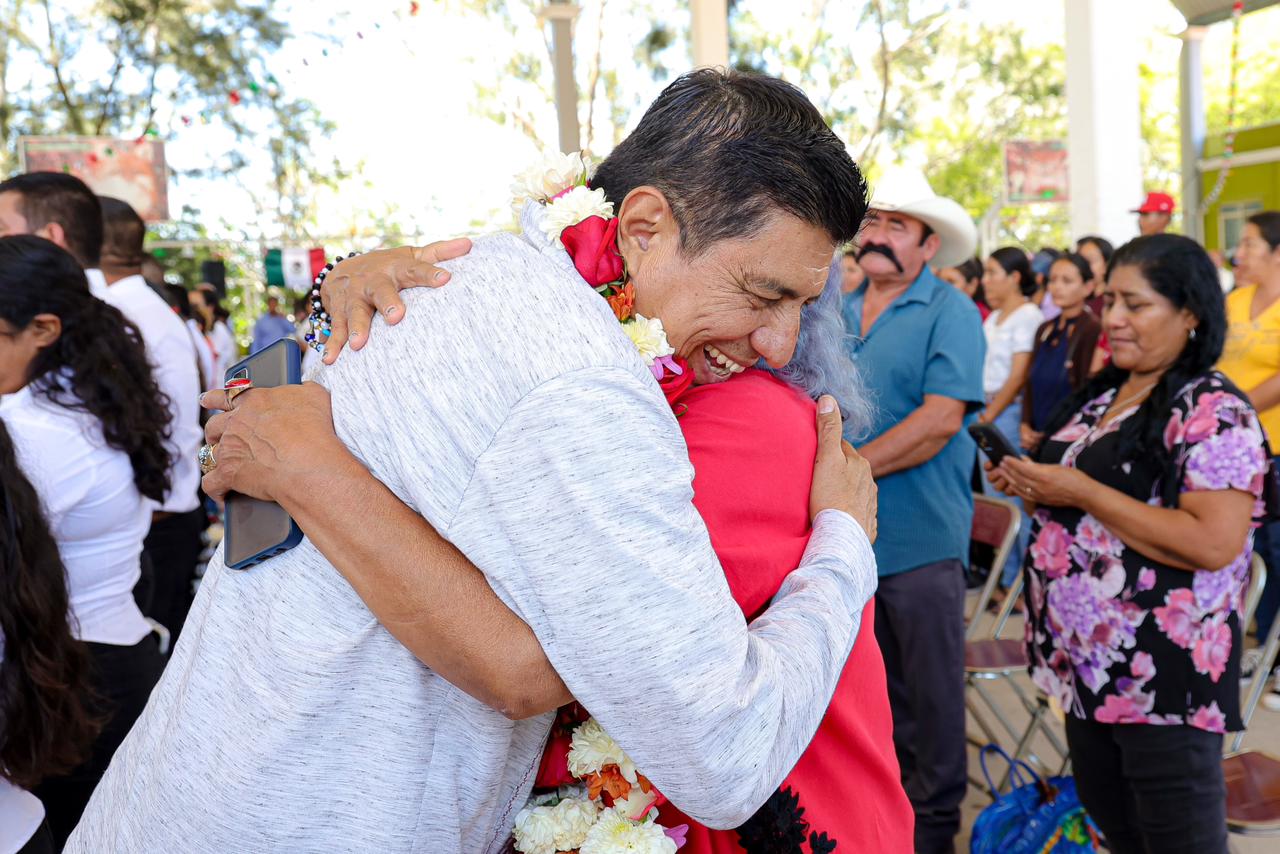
[906, 191]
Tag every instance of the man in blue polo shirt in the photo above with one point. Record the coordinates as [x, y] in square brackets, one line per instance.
[919, 345]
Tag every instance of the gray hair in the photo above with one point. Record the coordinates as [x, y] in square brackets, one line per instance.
[822, 364]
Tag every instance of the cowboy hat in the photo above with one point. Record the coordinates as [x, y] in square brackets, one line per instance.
[906, 191]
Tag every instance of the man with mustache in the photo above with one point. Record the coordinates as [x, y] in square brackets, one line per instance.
[920, 347]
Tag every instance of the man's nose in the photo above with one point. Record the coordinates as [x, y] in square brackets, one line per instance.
[776, 343]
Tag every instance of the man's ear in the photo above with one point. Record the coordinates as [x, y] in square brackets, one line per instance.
[931, 245]
[54, 233]
[645, 222]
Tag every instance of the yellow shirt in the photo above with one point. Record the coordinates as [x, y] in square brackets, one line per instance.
[1252, 351]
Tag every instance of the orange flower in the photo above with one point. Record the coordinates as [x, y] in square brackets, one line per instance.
[610, 781]
[623, 302]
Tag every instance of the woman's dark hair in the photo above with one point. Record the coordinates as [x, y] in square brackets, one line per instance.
[98, 365]
[1181, 271]
[1104, 246]
[210, 296]
[727, 149]
[1013, 260]
[971, 270]
[46, 725]
[1267, 222]
[1077, 261]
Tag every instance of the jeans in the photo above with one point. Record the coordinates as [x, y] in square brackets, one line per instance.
[1151, 789]
[1009, 423]
[920, 628]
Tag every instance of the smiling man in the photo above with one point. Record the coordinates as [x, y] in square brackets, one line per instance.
[919, 344]
[512, 412]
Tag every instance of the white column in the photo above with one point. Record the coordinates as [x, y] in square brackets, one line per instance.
[561, 14]
[709, 25]
[1104, 133]
[1191, 107]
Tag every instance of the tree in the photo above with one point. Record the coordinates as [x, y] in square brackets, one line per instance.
[136, 67]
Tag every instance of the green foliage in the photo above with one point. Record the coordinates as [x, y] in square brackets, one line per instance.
[129, 67]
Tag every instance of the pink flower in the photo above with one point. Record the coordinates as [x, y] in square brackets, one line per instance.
[1049, 553]
[1120, 710]
[1146, 578]
[1209, 718]
[1203, 421]
[1093, 537]
[677, 834]
[1179, 617]
[1213, 649]
[1143, 667]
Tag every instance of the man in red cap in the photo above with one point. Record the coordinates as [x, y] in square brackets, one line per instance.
[1155, 214]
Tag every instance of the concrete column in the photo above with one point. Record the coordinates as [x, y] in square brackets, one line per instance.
[709, 25]
[1191, 107]
[1104, 133]
[561, 14]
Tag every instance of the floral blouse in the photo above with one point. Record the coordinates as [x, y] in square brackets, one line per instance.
[1116, 636]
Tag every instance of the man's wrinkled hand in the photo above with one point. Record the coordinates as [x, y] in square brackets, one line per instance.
[266, 437]
[360, 287]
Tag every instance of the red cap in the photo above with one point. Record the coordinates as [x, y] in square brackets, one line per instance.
[1156, 203]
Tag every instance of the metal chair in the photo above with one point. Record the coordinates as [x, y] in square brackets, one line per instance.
[1253, 776]
[995, 524]
[1253, 596]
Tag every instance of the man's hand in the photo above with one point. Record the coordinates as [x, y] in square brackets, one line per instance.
[359, 287]
[841, 477]
[267, 438]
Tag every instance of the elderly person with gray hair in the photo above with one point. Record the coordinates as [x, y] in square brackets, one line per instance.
[544, 453]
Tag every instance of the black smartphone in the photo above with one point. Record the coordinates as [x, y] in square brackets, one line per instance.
[993, 443]
[257, 530]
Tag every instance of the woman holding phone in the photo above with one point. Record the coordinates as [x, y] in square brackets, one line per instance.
[1145, 495]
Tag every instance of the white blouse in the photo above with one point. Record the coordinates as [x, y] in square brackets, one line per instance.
[96, 514]
[1017, 334]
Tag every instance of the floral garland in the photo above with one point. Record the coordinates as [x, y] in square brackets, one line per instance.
[581, 220]
[594, 800]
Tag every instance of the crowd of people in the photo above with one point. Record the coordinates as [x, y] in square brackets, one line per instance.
[723, 515]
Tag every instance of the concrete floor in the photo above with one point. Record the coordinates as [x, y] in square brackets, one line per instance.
[1264, 732]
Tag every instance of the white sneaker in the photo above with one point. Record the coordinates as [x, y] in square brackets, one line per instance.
[1271, 697]
[1249, 662]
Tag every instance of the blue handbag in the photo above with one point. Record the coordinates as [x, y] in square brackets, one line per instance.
[1036, 817]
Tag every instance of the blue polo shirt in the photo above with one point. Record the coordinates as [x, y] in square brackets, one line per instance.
[928, 341]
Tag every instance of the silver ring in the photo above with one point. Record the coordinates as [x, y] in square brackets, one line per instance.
[206, 460]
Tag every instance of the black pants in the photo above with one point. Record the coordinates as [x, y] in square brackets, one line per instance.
[920, 629]
[173, 548]
[1151, 789]
[122, 678]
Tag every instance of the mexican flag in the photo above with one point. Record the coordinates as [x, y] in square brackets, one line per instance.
[295, 269]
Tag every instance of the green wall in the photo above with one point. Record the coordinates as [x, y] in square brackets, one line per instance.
[1246, 186]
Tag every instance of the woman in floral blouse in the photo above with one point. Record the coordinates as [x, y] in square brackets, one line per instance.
[1145, 498]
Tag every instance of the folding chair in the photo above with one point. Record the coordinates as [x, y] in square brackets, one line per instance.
[997, 657]
[995, 524]
[1253, 776]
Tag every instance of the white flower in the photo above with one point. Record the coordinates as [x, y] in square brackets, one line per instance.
[649, 337]
[614, 833]
[591, 749]
[574, 819]
[572, 208]
[637, 803]
[553, 174]
[535, 830]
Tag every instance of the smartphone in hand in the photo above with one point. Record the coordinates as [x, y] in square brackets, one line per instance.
[993, 443]
[257, 530]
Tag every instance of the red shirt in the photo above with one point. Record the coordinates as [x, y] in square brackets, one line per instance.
[752, 442]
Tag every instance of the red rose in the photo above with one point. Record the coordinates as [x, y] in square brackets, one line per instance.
[553, 770]
[591, 245]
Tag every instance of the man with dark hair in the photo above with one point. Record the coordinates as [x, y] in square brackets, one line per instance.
[173, 544]
[57, 207]
[294, 719]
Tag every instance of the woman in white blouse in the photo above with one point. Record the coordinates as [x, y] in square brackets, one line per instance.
[87, 422]
[1010, 329]
[213, 319]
